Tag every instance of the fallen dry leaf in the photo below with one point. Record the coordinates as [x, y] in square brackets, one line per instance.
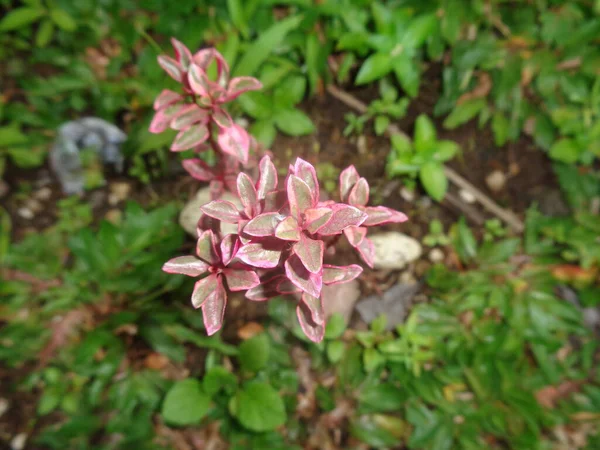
[156, 361]
[61, 330]
[549, 396]
[483, 88]
[249, 330]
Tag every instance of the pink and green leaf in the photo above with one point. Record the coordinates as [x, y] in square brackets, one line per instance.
[213, 309]
[190, 138]
[344, 216]
[186, 265]
[267, 181]
[239, 85]
[260, 254]
[163, 117]
[348, 178]
[229, 247]
[240, 280]
[222, 210]
[299, 196]
[206, 247]
[366, 249]
[307, 173]
[182, 54]
[235, 142]
[306, 281]
[172, 67]
[203, 289]
[189, 115]
[247, 193]
[198, 169]
[340, 274]
[166, 98]
[316, 218]
[359, 195]
[221, 118]
[310, 253]
[379, 215]
[312, 330]
[288, 229]
[263, 225]
[355, 235]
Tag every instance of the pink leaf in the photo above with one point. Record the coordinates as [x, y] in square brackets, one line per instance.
[359, 195]
[199, 81]
[288, 230]
[260, 255]
[221, 118]
[163, 117]
[263, 225]
[367, 251]
[189, 115]
[221, 210]
[172, 67]
[206, 248]
[246, 193]
[355, 235]
[166, 98]
[202, 58]
[198, 169]
[203, 289]
[340, 274]
[190, 138]
[299, 196]
[313, 331]
[235, 142]
[229, 247]
[315, 218]
[182, 53]
[265, 290]
[241, 280]
[315, 306]
[379, 215]
[348, 178]
[344, 216]
[310, 253]
[307, 173]
[308, 282]
[213, 308]
[185, 265]
[267, 181]
[239, 85]
[275, 201]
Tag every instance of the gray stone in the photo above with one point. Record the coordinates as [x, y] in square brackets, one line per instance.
[190, 214]
[395, 304]
[395, 250]
[88, 132]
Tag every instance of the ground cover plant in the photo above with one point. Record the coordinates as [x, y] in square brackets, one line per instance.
[308, 122]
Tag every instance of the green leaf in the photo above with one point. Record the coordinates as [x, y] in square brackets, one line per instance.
[294, 122]
[497, 252]
[500, 127]
[258, 407]
[335, 326]
[238, 16]
[63, 20]
[382, 397]
[445, 150]
[44, 33]
[335, 351]
[257, 105]
[219, 378]
[464, 112]
[565, 150]
[290, 91]
[376, 66]
[464, 241]
[367, 430]
[419, 29]
[401, 144]
[259, 50]
[185, 403]
[381, 124]
[20, 17]
[12, 135]
[407, 73]
[264, 131]
[434, 180]
[254, 353]
[425, 135]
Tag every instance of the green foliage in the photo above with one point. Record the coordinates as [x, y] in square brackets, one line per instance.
[185, 403]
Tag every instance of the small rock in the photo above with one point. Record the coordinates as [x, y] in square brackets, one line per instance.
[43, 194]
[190, 214]
[25, 213]
[33, 205]
[591, 317]
[395, 250]
[119, 191]
[436, 255]
[496, 181]
[114, 216]
[19, 441]
[408, 195]
[340, 298]
[97, 199]
[467, 196]
[4, 404]
[3, 188]
[394, 304]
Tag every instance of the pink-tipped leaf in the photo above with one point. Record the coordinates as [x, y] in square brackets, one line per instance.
[306, 281]
[348, 178]
[307, 173]
[166, 98]
[344, 216]
[366, 249]
[247, 193]
[379, 215]
[288, 230]
[300, 196]
[198, 169]
[260, 254]
[315, 218]
[359, 195]
[186, 265]
[213, 309]
[190, 138]
[206, 247]
[235, 142]
[172, 67]
[239, 85]
[355, 235]
[312, 330]
[340, 274]
[310, 253]
[222, 210]
[203, 289]
[240, 280]
[189, 115]
[267, 181]
[263, 225]
[229, 247]
[163, 117]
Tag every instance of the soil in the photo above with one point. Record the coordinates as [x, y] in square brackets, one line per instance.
[527, 168]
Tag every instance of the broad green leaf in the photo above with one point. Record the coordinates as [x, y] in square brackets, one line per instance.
[185, 403]
[366, 430]
[463, 113]
[464, 241]
[219, 378]
[258, 407]
[260, 49]
[290, 91]
[565, 150]
[12, 135]
[44, 33]
[264, 131]
[425, 134]
[376, 66]
[335, 351]
[294, 122]
[335, 326]
[20, 17]
[401, 144]
[257, 105]
[407, 73]
[445, 150]
[382, 397]
[63, 20]
[381, 124]
[497, 252]
[254, 353]
[419, 29]
[434, 180]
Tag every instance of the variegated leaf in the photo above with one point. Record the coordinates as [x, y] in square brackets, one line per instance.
[307, 173]
[206, 247]
[246, 193]
[299, 196]
[221, 210]
[172, 67]
[307, 282]
[312, 330]
[288, 229]
[240, 280]
[355, 235]
[348, 178]
[186, 265]
[310, 253]
[239, 85]
[203, 289]
[344, 216]
[163, 117]
[340, 274]
[198, 169]
[213, 309]
[166, 98]
[263, 225]
[189, 115]
[229, 247]
[182, 53]
[190, 138]
[367, 251]
[267, 181]
[380, 215]
[359, 195]
[259, 255]
[235, 142]
[316, 218]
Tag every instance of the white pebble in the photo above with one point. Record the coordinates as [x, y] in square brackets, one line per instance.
[436, 255]
[19, 441]
[25, 213]
[496, 180]
[467, 196]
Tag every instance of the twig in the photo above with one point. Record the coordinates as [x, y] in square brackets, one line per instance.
[507, 216]
[476, 217]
